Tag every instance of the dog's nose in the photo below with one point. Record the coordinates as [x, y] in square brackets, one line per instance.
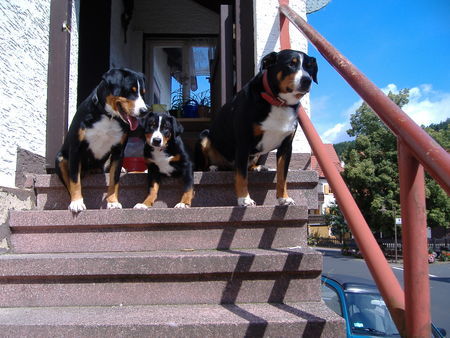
[305, 83]
[156, 141]
[143, 110]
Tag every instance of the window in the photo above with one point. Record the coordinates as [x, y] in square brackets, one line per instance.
[180, 69]
[331, 299]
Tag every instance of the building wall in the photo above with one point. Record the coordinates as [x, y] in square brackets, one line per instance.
[328, 196]
[267, 32]
[24, 37]
[156, 17]
[125, 54]
[73, 73]
[24, 32]
[322, 231]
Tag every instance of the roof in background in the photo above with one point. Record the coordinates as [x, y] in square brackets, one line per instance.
[332, 155]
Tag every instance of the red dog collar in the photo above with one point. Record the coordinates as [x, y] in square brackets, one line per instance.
[268, 94]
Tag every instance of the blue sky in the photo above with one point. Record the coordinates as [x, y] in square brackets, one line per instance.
[397, 44]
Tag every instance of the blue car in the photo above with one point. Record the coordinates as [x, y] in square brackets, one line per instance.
[363, 308]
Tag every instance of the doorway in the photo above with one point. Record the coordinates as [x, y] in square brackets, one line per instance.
[179, 74]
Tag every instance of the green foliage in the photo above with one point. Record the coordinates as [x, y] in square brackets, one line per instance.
[437, 203]
[335, 219]
[445, 256]
[371, 170]
[343, 147]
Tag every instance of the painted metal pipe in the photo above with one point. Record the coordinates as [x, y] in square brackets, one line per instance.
[381, 272]
[415, 248]
[433, 157]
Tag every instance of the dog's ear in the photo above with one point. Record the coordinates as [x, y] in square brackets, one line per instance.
[268, 60]
[177, 127]
[312, 68]
[143, 120]
[113, 79]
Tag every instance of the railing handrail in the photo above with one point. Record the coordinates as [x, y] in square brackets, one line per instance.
[426, 150]
[416, 150]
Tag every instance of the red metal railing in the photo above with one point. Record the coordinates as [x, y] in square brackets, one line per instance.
[417, 150]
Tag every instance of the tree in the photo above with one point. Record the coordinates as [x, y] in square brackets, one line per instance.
[371, 170]
[371, 166]
[343, 147]
[335, 219]
[437, 201]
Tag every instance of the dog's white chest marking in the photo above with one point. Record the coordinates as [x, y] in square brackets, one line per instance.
[280, 123]
[161, 159]
[103, 135]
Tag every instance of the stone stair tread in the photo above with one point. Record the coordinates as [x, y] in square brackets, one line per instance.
[305, 177]
[34, 219]
[310, 319]
[159, 262]
[211, 189]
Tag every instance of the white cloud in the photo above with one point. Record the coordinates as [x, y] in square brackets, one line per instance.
[334, 134]
[425, 106]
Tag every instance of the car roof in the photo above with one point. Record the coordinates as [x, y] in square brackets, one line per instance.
[353, 284]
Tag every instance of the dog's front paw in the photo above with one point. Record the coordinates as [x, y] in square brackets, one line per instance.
[77, 206]
[286, 201]
[114, 205]
[182, 206]
[259, 168]
[213, 168]
[246, 202]
[140, 206]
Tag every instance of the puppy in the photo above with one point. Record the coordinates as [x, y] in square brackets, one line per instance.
[261, 117]
[99, 132]
[165, 155]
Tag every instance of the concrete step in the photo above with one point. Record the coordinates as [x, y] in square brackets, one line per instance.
[167, 277]
[238, 320]
[211, 189]
[39, 231]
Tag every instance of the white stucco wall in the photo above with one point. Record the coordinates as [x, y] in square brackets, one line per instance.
[267, 32]
[24, 37]
[73, 72]
[24, 31]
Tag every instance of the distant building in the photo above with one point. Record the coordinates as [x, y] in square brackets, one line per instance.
[316, 222]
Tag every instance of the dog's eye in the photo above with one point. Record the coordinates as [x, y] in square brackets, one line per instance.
[294, 62]
[134, 89]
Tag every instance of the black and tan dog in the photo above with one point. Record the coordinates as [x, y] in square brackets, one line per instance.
[99, 132]
[165, 155]
[262, 117]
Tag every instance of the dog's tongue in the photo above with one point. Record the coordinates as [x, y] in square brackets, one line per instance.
[133, 122]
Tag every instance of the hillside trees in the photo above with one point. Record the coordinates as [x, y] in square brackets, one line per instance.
[371, 170]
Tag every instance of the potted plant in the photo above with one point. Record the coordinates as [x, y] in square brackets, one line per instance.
[176, 104]
[204, 103]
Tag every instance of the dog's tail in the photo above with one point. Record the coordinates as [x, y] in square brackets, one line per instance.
[201, 161]
[58, 159]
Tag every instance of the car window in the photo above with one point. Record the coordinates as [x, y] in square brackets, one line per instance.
[331, 299]
[368, 314]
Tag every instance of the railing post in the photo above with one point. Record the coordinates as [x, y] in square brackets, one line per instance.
[285, 40]
[429, 153]
[415, 246]
[379, 268]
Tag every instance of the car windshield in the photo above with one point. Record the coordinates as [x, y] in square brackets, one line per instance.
[369, 315]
